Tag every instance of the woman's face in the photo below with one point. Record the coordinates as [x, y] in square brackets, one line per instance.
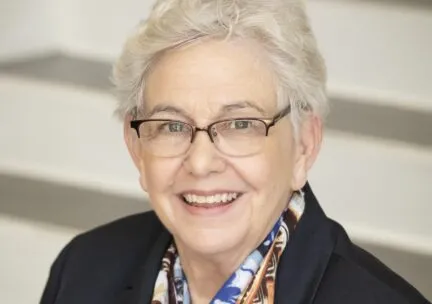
[201, 84]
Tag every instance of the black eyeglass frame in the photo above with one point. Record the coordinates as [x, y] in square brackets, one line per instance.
[270, 122]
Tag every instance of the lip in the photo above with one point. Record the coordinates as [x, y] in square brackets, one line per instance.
[209, 206]
[211, 210]
[209, 192]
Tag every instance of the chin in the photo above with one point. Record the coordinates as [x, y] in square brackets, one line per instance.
[212, 242]
[208, 232]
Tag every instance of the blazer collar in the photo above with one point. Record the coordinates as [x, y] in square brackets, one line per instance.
[300, 269]
[306, 256]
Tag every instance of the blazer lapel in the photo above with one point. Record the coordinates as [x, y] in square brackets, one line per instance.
[140, 288]
[306, 256]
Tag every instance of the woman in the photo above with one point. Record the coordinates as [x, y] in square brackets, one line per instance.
[222, 103]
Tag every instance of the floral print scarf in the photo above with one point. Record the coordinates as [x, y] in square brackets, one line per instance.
[252, 282]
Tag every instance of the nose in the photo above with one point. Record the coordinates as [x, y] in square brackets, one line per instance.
[207, 131]
[203, 158]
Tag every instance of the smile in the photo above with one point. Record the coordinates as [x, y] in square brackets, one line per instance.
[210, 201]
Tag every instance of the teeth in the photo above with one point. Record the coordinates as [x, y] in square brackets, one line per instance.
[212, 199]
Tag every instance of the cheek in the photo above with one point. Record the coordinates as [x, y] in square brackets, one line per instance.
[159, 173]
[285, 153]
[270, 170]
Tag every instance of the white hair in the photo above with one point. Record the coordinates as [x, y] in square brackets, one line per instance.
[280, 27]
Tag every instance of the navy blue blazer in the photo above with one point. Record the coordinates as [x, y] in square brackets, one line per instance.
[118, 264]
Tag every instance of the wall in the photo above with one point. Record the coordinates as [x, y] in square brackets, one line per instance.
[30, 249]
[377, 53]
[26, 27]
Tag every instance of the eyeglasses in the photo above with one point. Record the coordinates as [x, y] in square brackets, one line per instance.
[232, 137]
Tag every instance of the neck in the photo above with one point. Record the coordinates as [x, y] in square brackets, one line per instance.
[206, 275]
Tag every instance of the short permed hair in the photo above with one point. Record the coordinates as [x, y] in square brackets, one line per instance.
[280, 27]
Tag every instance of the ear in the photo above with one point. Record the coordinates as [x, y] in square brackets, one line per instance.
[134, 148]
[308, 145]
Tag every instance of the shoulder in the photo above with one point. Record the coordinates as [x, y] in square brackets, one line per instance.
[356, 276]
[98, 263]
[129, 227]
[119, 237]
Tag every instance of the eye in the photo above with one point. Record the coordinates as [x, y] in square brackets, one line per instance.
[172, 127]
[240, 124]
[235, 125]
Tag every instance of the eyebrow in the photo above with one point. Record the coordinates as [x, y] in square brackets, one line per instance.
[224, 110]
[167, 109]
[242, 105]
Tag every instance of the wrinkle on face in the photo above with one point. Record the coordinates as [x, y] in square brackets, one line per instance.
[201, 84]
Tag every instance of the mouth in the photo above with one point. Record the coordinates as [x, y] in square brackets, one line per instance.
[210, 201]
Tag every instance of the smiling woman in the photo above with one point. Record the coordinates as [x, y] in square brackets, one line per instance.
[222, 104]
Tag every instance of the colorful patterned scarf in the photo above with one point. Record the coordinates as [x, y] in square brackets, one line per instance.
[252, 282]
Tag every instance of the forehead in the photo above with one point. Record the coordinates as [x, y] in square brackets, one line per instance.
[207, 76]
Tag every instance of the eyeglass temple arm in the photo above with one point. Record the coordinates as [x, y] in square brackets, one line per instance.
[280, 115]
